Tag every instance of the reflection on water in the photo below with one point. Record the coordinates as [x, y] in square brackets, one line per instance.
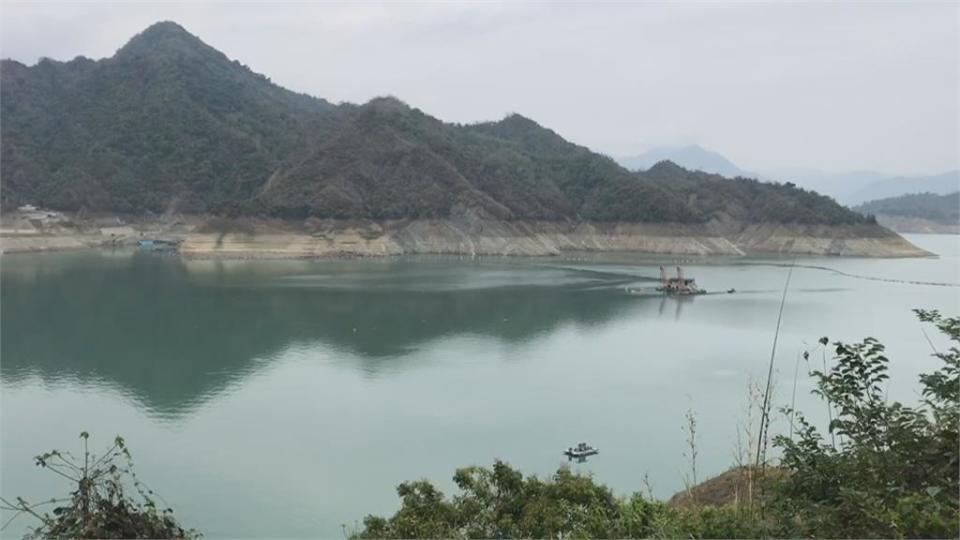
[172, 333]
[281, 399]
[171, 337]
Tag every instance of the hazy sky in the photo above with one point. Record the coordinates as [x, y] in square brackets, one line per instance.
[834, 86]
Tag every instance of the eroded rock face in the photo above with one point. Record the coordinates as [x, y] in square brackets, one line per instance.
[469, 233]
[902, 224]
[533, 238]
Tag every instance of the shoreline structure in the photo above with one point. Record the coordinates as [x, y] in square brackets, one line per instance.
[253, 238]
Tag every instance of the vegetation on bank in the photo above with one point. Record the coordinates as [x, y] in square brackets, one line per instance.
[888, 471]
[171, 124]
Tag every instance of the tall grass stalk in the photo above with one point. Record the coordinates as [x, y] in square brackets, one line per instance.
[690, 428]
[765, 411]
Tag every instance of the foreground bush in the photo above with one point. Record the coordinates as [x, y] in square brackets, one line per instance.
[499, 502]
[891, 472]
[894, 469]
[99, 506]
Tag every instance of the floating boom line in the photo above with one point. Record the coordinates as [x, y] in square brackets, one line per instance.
[858, 276]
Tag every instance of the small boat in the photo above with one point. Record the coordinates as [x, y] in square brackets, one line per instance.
[580, 451]
[731, 290]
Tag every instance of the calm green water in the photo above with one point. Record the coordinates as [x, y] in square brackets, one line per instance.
[283, 399]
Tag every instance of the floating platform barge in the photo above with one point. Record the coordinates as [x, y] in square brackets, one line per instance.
[672, 286]
[679, 285]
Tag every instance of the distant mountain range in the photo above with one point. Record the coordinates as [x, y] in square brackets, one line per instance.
[917, 212]
[171, 124]
[691, 157]
[940, 184]
[940, 208]
[850, 188]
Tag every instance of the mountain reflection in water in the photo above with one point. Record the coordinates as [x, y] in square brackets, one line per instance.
[172, 333]
[270, 398]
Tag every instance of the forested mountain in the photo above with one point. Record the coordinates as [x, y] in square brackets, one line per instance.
[169, 123]
[939, 208]
[166, 120]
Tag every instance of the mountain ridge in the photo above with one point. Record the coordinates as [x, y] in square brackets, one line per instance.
[917, 212]
[691, 156]
[935, 207]
[895, 186]
[170, 124]
[849, 187]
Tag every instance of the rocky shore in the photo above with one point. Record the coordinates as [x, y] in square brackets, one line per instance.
[539, 239]
[902, 224]
[262, 238]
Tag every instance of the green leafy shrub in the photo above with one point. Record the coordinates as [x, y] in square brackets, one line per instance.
[894, 472]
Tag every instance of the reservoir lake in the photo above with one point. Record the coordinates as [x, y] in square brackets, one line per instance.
[285, 399]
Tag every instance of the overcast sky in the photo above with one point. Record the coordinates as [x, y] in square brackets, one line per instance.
[832, 86]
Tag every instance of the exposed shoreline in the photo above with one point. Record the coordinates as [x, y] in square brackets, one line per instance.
[203, 237]
[478, 238]
[914, 225]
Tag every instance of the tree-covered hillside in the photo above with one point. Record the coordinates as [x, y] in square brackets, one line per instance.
[167, 120]
[938, 208]
[169, 123]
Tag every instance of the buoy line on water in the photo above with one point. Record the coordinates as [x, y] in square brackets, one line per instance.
[601, 273]
[857, 276]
